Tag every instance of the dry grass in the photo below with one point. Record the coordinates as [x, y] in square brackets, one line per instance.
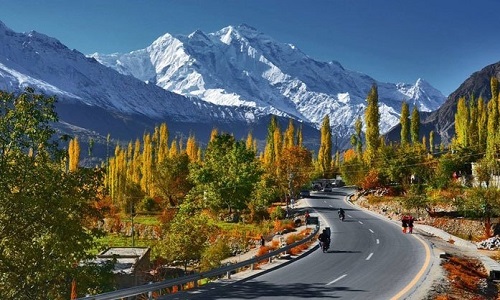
[468, 280]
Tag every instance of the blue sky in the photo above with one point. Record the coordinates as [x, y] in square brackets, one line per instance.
[441, 41]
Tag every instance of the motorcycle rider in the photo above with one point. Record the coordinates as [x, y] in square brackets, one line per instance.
[324, 240]
[341, 214]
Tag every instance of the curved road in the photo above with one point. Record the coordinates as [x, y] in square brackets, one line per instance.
[369, 258]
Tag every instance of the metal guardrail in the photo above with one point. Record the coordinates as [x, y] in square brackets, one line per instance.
[226, 270]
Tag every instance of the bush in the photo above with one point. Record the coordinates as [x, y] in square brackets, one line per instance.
[149, 204]
[214, 254]
[278, 213]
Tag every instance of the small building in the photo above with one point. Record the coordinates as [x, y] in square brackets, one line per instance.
[132, 264]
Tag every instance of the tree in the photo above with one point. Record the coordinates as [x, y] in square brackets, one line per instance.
[415, 126]
[405, 124]
[269, 151]
[171, 178]
[43, 209]
[74, 154]
[187, 237]
[372, 118]
[325, 148]
[462, 123]
[228, 175]
[296, 168]
[356, 141]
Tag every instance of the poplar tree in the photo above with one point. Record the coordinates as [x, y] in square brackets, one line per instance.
[192, 149]
[74, 154]
[482, 123]
[289, 135]
[431, 142]
[357, 141]
[325, 148]
[461, 123]
[300, 138]
[269, 152]
[372, 119]
[493, 122]
[405, 124]
[174, 150]
[162, 147]
[415, 126]
[473, 128]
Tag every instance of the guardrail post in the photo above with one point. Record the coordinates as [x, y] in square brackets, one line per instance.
[270, 258]
[150, 293]
[252, 266]
[228, 274]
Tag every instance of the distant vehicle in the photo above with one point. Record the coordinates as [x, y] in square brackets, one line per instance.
[305, 193]
[327, 189]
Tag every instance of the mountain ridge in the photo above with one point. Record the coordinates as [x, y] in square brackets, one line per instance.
[265, 78]
[239, 66]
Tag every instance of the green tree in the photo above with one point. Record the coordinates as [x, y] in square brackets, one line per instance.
[171, 178]
[43, 210]
[462, 122]
[356, 141]
[415, 126]
[405, 124]
[325, 148]
[228, 175]
[187, 237]
[372, 119]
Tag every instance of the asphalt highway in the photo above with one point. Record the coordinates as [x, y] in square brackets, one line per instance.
[369, 258]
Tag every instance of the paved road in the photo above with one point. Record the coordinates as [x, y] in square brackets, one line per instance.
[369, 259]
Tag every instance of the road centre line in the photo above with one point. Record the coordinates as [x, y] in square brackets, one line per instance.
[360, 222]
[369, 256]
[378, 241]
[335, 280]
[371, 231]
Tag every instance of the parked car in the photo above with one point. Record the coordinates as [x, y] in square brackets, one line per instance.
[327, 189]
[305, 193]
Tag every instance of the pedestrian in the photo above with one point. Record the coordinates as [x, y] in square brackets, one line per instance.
[307, 217]
[404, 223]
[410, 224]
[262, 241]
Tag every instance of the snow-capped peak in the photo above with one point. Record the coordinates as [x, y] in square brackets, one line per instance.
[240, 66]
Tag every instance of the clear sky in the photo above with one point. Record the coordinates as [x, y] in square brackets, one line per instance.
[441, 41]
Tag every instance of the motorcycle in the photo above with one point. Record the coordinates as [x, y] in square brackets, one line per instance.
[341, 216]
[324, 246]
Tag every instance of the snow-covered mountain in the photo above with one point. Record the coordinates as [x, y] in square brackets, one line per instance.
[233, 79]
[241, 67]
[95, 100]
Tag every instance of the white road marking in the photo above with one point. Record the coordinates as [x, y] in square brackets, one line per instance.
[369, 256]
[371, 231]
[378, 241]
[335, 280]
[330, 205]
[360, 222]
[349, 216]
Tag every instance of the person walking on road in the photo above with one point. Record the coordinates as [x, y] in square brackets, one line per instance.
[404, 223]
[410, 224]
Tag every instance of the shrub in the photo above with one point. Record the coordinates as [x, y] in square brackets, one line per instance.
[278, 213]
